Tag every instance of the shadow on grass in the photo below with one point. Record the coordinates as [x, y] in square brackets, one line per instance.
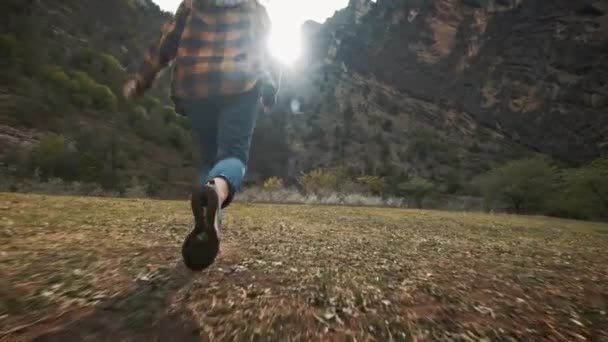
[147, 313]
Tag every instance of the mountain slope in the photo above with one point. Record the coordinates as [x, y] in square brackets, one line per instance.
[418, 85]
[63, 65]
[442, 89]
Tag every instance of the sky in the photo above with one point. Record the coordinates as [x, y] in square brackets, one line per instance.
[287, 16]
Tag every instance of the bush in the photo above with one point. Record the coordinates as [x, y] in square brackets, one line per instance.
[84, 91]
[56, 74]
[89, 167]
[450, 182]
[104, 98]
[136, 189]
[273, 184]
[285, 195]
[152, 128]
[323, 181]
[52, 186]
[168, 114]
[136, 116]
[88, 92]
[150, 103]
[102, 67]
[373, 184]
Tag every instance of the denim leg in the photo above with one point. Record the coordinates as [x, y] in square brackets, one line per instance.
[236, 124]
[203, 118]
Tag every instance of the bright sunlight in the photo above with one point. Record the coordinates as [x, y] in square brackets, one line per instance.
[287, 18]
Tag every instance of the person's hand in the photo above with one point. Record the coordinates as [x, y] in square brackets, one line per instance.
[129, 89]
[268, 102]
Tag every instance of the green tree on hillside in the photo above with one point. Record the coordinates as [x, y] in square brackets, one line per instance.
[53, 157]
[418, 189]
[524, 185]
[585, 190]
[374, 184]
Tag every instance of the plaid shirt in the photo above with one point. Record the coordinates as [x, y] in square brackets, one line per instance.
[217, 51]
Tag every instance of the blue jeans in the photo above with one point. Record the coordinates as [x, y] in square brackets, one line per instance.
[223, 128]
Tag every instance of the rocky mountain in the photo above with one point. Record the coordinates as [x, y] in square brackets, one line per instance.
[447, 88]
[443, 89]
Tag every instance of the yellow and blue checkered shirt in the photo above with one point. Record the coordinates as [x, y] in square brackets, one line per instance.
[216, 50]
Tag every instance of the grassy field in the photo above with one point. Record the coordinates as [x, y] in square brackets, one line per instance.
[74, 269]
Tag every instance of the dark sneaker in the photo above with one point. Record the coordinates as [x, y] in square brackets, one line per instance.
[203, 244]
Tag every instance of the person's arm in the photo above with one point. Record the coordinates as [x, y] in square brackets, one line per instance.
[271, 78]
[162, 52]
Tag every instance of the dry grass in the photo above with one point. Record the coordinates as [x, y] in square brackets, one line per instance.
[103, 269]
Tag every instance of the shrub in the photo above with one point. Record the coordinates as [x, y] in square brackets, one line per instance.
[150, 103]
[56, 74]
[104, 68]
[89, 167]
[104, 98]
[285, 195]
[136, 189]
[90, 93]
[53, 157]
[584, 191]
[373, 184]
[9, 46]
[84, 91]
[168, 114]
[136, 116]
[152, 128]
[273, 184]
[323, 181]
[450, 182]
[417, 189]
[176, 137]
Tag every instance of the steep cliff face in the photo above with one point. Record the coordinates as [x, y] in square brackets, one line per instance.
[531, 72]
[444, 89]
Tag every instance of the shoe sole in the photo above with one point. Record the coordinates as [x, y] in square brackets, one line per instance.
[202, 245]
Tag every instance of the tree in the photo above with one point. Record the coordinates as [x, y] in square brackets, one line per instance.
[176, 137]
[53, 157]
[585, 190]
[450, 182]
[374, 184]
[417, 189]
[87, 92]
[524, 185]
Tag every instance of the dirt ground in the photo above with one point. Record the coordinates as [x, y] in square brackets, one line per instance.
[83, 269]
